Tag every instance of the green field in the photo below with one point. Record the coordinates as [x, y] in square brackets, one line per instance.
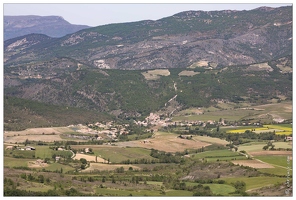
[251, 148]
[230, 115]
[45, 152]
[16, 162]
[20, 154]
[276, 171]
[228, 112]
[153, 183]
[176, 193]
[119, 154]
[256, 182]
[258, 146]
[222, 155]
[276, 160]
[285, 145]
[117, 192]
[58, 167]
[221, 189]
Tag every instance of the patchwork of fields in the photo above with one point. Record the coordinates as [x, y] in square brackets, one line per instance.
[161, 164]
[278, 129]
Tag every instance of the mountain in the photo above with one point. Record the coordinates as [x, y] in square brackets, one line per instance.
[191, 59]
[191, 38]
[53, 26]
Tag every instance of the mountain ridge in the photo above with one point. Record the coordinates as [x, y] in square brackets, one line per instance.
[209, 56]
[217, 38]
[53, 26]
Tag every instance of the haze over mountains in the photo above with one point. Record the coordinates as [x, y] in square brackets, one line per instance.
[53, 26]
[229, 55]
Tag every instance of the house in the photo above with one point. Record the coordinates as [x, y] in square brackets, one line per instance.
[39, 161]
[288, 138]
[9, 147]
[28, 148]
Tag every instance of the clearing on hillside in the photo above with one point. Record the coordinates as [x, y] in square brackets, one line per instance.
[201, 63]
[155, 74]
[260, 67]
[188, 73]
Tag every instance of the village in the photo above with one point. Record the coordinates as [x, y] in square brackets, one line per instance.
[111, 130]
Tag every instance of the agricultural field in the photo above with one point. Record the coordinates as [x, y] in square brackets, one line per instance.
[116, 154]
[256, 148]
[256, 182]
[276, 160]
[108, 167]
[268, 113]
[15, 162]
[36, 134]
[218, 155]
[210, 140]
[58, 167]
[284, 129]
[215, 115]
[90, 158]
[141, 193]
[162, 163]
[163, 141]
[252, 163]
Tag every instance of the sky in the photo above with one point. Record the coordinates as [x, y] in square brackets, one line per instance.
[101, 13]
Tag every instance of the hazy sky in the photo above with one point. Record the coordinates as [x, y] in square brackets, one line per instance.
[101, 13]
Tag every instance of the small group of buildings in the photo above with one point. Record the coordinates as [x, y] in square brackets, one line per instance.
[27, 148]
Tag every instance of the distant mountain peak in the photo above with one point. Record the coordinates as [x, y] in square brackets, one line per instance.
[53, 26]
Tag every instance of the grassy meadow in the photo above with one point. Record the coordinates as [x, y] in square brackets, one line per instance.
[221, 155]
[256, 182]
[117, 154]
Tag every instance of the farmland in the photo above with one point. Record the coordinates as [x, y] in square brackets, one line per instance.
[166, 142]
[185, 158]
[278, 129]
[193, 104]
[267, 113]
[218, 155]
[256, 182]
